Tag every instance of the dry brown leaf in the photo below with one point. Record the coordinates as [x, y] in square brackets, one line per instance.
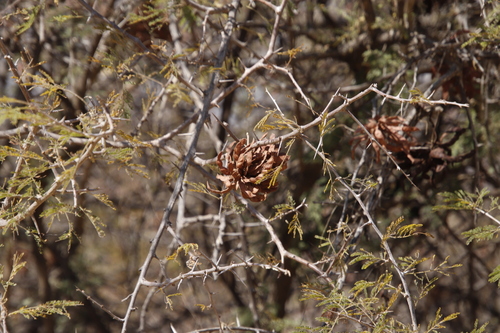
[250, 170]
[390, 132]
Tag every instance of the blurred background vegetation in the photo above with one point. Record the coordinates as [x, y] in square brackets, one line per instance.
[78, 67]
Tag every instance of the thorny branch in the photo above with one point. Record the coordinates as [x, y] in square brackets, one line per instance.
[115, 317]
[165, 222]
[219, 269]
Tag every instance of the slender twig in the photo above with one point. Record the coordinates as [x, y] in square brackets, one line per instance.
[213, 306]
[351, 318]
[454, 70]
[176, 38]
[294, 82]
[149, 111]
[13, 69]
[115, 317]
[226, 127]
[485, 213]
[144, 309]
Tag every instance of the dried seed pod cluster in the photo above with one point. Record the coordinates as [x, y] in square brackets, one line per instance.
[252, 170]
[390, 132]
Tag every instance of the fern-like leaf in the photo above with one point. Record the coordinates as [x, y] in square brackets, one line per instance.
[495, 276]
[438, 321]
[295, 227]
[366, 256]
[486, 232]
[46, 309]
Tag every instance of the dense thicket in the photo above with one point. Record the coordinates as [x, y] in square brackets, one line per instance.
[296, 166]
